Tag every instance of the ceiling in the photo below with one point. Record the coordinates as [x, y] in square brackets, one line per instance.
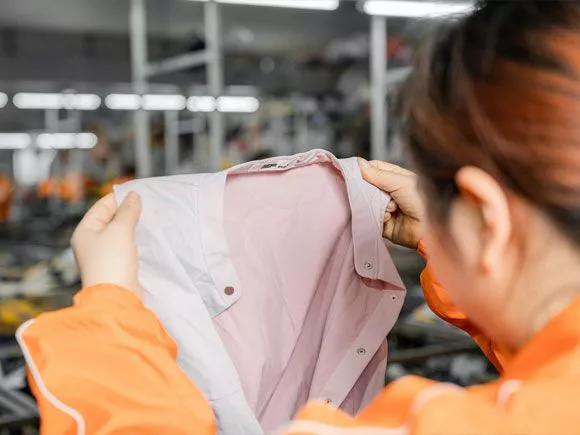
[260, 28]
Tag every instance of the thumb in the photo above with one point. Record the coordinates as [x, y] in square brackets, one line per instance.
[390, 182]
[129, 211]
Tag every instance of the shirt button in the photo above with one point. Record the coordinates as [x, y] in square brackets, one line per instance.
[229, 291]
[361, 351]
[328, 401]
[368, 266]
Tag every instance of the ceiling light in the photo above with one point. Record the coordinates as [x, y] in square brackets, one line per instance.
[123, 101]
[81, 101]
[14, 141]
[416, 9]
[86, 140]
[3, 99]
[61, 141]
[33, 100]
[26, 100]
[326, 5]
[238, 104]
[201, 104]
[164, 102]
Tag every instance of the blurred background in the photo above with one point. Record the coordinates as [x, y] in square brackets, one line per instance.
[95, 93]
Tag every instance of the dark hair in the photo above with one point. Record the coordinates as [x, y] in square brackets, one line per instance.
[500, 90]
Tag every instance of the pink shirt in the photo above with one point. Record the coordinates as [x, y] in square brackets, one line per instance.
[287, 258]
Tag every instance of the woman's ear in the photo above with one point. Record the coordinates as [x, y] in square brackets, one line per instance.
[482, 192]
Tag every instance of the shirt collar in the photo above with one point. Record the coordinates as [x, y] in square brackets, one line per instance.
[368, 205]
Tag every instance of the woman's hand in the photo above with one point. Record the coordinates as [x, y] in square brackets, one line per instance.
[104, 243]
[404, 219]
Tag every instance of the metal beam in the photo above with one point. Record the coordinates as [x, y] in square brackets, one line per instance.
[171, 142]
[215, 80]
[177, 63]
[138, 27]
[378, 87]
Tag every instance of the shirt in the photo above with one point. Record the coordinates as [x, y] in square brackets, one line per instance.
[275, 282]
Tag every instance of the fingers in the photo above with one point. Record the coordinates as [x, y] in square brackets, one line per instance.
[129, 210]
[390, 181]
[100, 214]
[384, 166]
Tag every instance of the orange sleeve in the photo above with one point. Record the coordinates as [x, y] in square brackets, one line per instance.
[441, 304]
[106, 366]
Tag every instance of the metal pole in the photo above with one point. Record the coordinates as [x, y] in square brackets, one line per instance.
[215, 80]
[138, 25]
[171, 142]
[52, 124]
[378, 88]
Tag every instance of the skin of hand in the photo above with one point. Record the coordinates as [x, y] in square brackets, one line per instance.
[405, 218]
[104, 243]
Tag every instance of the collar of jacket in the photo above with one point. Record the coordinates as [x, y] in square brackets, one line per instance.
[368, 205]
[551, 350]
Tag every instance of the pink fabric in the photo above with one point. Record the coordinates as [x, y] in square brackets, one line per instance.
[307, 326]
[275, 283]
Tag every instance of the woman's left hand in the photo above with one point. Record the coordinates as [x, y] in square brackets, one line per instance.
[104, 243]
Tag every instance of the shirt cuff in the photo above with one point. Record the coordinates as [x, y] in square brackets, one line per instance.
[107, 296]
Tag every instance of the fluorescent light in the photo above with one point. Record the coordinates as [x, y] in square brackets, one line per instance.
[416, 9]
[81, 101]
[326, 5]
[164, 102]
[14, 141]
[33, 100]
[48, 141]
[123, 101]
[201, 104]
[26, 100]
[86, 140]
[3, 99]
[58, 141]
[238, 104]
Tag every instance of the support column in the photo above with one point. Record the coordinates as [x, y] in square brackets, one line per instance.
[215, 80]
[141, 134]
[171, 142]
[378, 67]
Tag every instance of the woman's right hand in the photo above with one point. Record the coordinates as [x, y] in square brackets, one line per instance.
[405, 217]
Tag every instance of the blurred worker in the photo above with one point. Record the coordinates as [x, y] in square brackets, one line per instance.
[67, 180]
[491, 120]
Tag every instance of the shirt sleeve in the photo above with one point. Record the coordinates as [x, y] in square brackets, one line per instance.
[107, 366]
[441, 304]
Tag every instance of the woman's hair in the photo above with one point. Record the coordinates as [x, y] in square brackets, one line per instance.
[500, 90]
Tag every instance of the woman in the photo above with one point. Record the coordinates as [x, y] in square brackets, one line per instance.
[491, 119]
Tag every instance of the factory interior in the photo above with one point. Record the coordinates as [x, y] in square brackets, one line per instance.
[94, 94]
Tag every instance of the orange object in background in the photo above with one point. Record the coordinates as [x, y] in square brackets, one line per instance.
[6, 196]
[47, 188]
[108, 187]
[71, 188]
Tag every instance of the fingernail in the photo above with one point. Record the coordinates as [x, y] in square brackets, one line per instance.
[363, 163]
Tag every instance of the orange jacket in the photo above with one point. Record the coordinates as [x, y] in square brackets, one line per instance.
[106, 366]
